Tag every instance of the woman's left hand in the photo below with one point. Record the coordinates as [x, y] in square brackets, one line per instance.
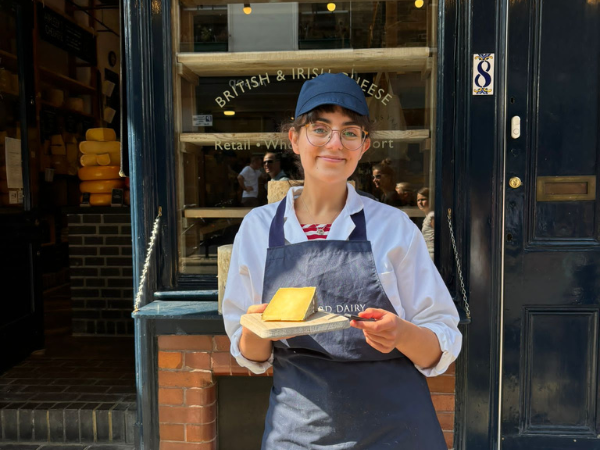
[385, 333]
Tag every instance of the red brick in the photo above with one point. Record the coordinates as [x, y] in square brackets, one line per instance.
[236, 369]
[449, 437]
[443, 384]
[201, 433]
[172, 432]
[197, 360]
[170, 360]
[443, 402]
[170, 396]
[193, 343]
[451, 369]
[221, 344]
[184, 379]
[221, 363]
[446, 420]
[201, 397]
[188, 446]
[194, 415]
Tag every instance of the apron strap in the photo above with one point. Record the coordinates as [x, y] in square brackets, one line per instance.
[277, 237]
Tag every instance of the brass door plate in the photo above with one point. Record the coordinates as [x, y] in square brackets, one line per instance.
[566, 189]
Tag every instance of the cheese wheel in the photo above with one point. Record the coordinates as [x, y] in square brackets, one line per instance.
[88, 160]
[58, 150]
[109, 159]
[99, 173]
[99, 199]
[101, 186]
[56, 139]
[100, 134]
[291, 305]
[94, 147]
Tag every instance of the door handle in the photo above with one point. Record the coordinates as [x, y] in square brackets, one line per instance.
[515, 127]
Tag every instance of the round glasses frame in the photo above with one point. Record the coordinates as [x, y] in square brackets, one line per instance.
[364, 138]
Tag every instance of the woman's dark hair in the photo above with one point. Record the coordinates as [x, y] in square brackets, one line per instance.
[385, 167]
[424, 191]
[295, 171]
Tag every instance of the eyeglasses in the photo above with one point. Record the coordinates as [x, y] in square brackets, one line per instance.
[268, 161]
[319, 134]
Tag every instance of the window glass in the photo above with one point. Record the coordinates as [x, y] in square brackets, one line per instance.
[239, 69]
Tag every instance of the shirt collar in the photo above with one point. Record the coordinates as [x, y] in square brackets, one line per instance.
[341, 228]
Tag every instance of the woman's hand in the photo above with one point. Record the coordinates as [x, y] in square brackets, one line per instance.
[389, 331]
[385, 333]
[259, 309]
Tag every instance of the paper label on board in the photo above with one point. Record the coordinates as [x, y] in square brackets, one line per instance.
[202, 120]
[14, 171]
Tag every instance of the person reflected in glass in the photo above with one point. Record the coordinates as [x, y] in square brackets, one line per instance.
[248, 179]
[427, 228]
[383, 179]
[272, 166]
[406, 194]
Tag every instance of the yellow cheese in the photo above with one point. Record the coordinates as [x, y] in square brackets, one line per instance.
[109, 159]
[99, 199]
[291, 305]
[88, 160]
[99, 173]
[94, 147]
[56, 139]
[100, 134]
[101, 186]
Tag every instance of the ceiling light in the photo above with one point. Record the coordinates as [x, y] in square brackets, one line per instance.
[419, 3]
[247, 8]
[331, 6]
[229, 112]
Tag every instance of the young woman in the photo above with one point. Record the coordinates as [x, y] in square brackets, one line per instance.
[363, 387]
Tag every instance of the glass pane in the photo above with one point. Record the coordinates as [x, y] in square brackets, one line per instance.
[239, 71]
[11, 171]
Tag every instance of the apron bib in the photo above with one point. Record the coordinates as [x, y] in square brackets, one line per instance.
[333, 390]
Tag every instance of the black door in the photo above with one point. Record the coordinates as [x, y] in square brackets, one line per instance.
[551, 298]
[21, 320]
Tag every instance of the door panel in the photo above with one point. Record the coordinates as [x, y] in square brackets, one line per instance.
[551, 296]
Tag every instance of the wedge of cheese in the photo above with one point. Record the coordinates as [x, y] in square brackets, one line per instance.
[100, 134]
[94, 147]
[88, 160]
[291, 305]
[109, 159]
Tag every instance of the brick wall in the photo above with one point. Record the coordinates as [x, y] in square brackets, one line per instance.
[101, 273]
[187, 392]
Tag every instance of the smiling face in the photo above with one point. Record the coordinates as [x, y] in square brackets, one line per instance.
[271, 164]
[332, 162]
[423, 203]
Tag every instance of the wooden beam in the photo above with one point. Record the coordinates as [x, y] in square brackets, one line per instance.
[404, 59]
[187, 74]
[252, 139]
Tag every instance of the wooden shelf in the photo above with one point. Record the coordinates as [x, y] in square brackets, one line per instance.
[8, 61]
[46, 104]
[259, 139]
[240, 213]
[216, 213]
[407, 59]
[61, 81]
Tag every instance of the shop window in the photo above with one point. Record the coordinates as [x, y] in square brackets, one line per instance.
[238, 71]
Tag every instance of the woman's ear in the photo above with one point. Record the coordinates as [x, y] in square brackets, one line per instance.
[366, 146]
[293, 137]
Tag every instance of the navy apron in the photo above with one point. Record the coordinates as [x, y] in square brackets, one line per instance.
[333, 390]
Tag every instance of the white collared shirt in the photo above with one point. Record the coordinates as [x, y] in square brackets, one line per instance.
[409, 277]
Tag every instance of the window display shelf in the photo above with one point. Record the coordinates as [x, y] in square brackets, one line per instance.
[257, 139]
[58, 80]
[404, 59]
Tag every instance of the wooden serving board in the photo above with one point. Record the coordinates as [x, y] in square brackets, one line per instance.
[319, 322]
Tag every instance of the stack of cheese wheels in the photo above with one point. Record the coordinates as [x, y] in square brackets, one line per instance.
[101, 159]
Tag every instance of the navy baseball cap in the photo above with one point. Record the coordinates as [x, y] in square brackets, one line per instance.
[332, 89]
